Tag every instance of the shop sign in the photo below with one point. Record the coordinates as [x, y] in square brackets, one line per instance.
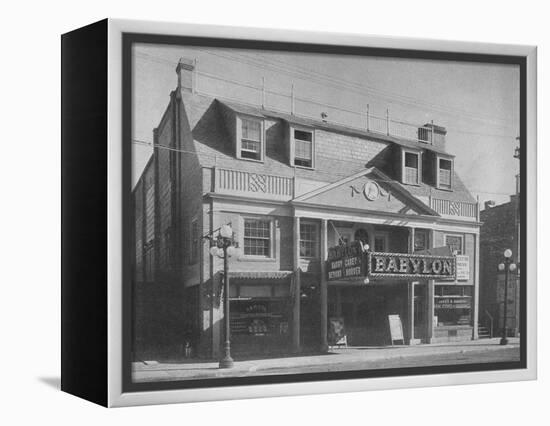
[462, 268]
[459, 302]
[397, 265]
[346, 261]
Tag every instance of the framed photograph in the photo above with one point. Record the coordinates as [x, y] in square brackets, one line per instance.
[254, 213]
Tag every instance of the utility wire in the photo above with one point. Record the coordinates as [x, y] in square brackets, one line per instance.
[310, 72]
[310, 100]
[355, 87]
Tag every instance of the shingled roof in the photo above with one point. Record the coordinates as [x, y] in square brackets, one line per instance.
[210, 136]
[331, 127]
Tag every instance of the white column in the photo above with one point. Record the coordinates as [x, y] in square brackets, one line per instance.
[410, 293]
[297, 287]
[430, 290]
[324, 286]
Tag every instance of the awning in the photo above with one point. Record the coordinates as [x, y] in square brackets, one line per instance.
[253, 275]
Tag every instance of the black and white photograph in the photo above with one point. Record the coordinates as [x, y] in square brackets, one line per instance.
[307, 214]
[234, 213]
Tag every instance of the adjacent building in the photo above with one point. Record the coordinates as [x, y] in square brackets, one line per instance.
[500, 231]
[293, 189]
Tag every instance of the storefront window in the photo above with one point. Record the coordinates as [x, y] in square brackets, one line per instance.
[452, 305]
[259, 318]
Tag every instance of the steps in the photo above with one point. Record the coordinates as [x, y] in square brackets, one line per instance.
[483, 332]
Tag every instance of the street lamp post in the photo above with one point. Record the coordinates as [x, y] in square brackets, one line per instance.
[507, 266]
[224, 246]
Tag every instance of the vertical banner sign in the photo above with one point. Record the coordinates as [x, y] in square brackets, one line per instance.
[462, 268]
[346, 261]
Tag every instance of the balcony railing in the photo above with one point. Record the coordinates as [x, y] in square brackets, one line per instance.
[458, 209]
[261, 185]
[253, 184]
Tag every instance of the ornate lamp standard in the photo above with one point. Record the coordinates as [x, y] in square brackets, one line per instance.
[224, 246]
[507, 266]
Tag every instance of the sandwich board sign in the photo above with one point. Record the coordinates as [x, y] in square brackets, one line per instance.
[396, 328]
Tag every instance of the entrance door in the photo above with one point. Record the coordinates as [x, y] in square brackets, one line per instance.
[310, 319]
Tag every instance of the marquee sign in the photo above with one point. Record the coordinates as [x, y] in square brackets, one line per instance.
[352, 261]
[416, 266]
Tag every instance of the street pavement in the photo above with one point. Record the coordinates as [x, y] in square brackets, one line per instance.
[338, 359]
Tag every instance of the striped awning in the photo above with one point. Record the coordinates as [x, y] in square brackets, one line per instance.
[255, 275]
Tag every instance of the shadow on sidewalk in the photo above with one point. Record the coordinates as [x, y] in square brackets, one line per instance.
[237, 356]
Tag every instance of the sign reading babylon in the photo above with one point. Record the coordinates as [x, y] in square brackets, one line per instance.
[417, 266]
[352, 260]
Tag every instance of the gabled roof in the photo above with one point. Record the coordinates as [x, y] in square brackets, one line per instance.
[402, 197]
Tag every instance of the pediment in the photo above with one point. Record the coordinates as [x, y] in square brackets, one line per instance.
[368, 190]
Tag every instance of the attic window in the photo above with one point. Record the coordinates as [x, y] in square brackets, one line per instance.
[411, 168]
[444, 173]
[251, 139]
[303, 148]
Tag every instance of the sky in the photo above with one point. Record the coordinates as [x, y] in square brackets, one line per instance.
[477, 103]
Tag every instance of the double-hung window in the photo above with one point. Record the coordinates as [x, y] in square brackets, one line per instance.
[251, 140]
[455, 243]
[381, 241]
[445, 169]
[420, 240]
[303, 148]
[308, 240]
[257, 237]
[411, 168]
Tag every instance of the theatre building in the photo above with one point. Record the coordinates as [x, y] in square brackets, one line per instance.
[338, 229]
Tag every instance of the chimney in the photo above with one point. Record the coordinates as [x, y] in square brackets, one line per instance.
[186, 74]
[432, 134]
[489, 204]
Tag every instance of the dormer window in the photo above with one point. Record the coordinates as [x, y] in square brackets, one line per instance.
[251, 140]
[303, 152]
[444, 173]
[411, 167]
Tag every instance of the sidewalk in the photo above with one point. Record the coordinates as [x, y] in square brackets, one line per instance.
[355, 357]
